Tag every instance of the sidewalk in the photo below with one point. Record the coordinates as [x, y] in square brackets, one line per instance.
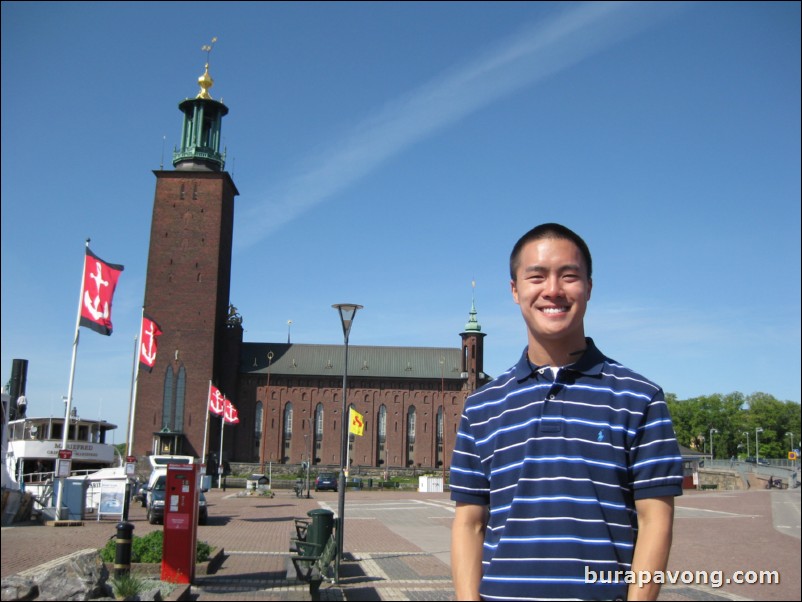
[714, 531]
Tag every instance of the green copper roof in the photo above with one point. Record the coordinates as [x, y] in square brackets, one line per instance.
[473, 324]
[373, 362]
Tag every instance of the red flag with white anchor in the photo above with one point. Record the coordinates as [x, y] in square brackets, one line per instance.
[148, 342]
[231, 413]
[217, 401]
[100, 280]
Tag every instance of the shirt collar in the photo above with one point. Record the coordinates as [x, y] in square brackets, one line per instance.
[590, 363]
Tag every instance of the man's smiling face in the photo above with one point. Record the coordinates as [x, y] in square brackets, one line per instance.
[552, 288]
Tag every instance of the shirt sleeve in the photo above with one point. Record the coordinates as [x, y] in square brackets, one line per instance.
[655, 460]
[468, 481]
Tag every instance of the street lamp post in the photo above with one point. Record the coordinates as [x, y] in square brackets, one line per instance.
[790, 434]
[758, 430]
[308, 438]
[747, 443]
[443, 417]
[347, 313]
[711, 443]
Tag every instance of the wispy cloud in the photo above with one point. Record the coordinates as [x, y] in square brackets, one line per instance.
[535, 53]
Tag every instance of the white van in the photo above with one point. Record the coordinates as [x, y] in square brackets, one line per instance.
[159, 468]
[163, 461]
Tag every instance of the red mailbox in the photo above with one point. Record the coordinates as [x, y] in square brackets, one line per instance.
[180, 522]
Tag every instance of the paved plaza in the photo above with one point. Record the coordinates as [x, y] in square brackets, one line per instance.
[397, 545]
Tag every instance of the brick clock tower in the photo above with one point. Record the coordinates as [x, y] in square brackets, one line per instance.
[473, 352]
[187, 288]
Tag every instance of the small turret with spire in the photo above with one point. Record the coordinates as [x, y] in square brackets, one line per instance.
[473, 348]
[201, 131]
[473, 324]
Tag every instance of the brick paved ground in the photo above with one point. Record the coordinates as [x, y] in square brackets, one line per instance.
[397, 545]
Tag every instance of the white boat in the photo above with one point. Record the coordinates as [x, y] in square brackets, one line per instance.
[34, 445]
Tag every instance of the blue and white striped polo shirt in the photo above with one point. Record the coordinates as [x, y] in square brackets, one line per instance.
[560, 464]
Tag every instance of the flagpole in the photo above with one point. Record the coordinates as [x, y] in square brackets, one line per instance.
[206, 427]
[348, 457]
[134, 383]
[220, 458]
[348, 445]
[68, 408]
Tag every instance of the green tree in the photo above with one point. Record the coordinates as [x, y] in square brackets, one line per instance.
[695, 418]
[735, 417]
[776, 418]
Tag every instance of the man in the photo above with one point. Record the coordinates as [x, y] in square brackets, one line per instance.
[566, 466]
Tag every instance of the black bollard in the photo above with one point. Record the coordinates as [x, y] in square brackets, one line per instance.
[122, 555]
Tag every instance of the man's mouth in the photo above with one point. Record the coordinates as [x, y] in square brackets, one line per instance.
[554, 310]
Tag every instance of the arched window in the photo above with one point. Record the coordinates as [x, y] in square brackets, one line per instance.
[382, 422]
[258, 416]
[318, 432]
[319, 421]
[288, 420]
[174, 393]
[411, 415]
[168, 399]
[287, 431]
[180, 392]
[381, 443]
[439, 435]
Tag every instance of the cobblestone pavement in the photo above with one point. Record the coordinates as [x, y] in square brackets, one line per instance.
[397, 545]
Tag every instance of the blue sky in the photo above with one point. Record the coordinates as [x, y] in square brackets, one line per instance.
[389, 154]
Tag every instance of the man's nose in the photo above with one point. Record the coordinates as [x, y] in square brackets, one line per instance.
[553, 286]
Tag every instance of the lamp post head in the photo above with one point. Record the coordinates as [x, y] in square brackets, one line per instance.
[347, 313]
[758, 430]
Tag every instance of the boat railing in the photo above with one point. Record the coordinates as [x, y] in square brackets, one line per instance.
[39, 478]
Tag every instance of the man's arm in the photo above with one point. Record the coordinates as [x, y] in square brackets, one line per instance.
[655, 527]
[467, 540]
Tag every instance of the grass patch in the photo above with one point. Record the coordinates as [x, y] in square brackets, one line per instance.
[127, 586]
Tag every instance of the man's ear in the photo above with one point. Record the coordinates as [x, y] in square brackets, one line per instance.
[514, 290]
[590, 287]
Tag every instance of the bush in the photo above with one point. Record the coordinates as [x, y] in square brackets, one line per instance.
[148, 549]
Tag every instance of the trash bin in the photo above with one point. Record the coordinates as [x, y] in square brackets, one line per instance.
[320, 530]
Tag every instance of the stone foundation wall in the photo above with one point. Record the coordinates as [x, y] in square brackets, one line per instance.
[722, 479]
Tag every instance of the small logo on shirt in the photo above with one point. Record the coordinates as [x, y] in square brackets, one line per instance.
[600, 436]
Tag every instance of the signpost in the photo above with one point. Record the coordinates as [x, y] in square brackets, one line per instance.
[64, 463]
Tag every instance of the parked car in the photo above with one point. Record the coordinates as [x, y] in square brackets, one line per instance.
[156, 496]
[326, 481]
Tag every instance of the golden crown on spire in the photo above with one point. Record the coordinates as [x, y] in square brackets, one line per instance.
[205, 81]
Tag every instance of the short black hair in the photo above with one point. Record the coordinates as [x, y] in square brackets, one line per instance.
[542, 231]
